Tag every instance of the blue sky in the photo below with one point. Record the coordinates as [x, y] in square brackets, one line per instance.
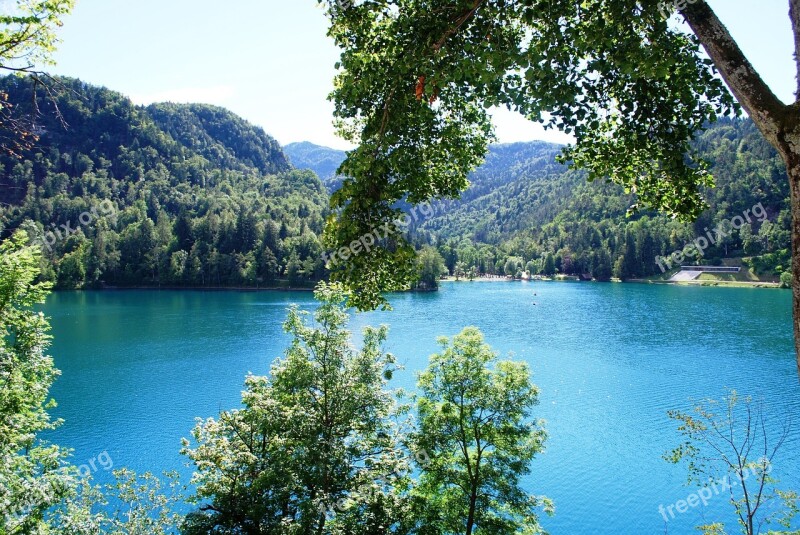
[271, 62]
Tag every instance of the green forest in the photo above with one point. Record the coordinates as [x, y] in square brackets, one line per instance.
[548, 219]
[524, 212]
[187, 195]
[193, 196]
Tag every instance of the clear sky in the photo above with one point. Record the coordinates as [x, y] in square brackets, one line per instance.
[271, 62]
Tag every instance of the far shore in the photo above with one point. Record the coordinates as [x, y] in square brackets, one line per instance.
[728, 284]
[701, 283]
[706, 283]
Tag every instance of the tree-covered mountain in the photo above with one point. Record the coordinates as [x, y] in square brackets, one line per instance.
[192, 195]
[220, 136]
[524, 211]
[323, 161]
[168, 194]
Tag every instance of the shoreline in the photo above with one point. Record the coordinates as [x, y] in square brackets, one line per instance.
[706, 283]
[714, 284]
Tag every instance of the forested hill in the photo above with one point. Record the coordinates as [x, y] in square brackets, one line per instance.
[167, 194]
[519, 186]
[523, 211]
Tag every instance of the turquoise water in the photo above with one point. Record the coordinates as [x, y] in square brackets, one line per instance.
[610, 360]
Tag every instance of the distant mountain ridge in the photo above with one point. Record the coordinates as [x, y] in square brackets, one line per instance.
[324, 161]
[522, 204]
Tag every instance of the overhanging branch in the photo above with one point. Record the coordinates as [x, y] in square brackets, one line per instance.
[755, 96]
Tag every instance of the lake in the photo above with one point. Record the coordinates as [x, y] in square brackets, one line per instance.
[610, 360]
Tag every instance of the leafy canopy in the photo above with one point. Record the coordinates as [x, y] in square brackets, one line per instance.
[33, 474]
[28, 32]
[27, 40]
[416, 78]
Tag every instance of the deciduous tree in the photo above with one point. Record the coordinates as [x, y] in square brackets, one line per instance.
[313, 441]
[27, 41]
[730, 448]
[34, 475]
[475, 426]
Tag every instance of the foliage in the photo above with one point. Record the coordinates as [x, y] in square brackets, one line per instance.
[314, 447]
[473, 413]
[27, 41]
[786, 279]
[721, 442]
[415, 80]
[34, 474]
[770, 263]
[27, 32]
[430, 266]
[131, 505]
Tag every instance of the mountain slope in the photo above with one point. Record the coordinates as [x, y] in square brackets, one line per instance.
[527, 207]
[199, 196]
[523, 205]
[224, 139]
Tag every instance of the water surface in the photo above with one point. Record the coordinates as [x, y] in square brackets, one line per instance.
[610, 359]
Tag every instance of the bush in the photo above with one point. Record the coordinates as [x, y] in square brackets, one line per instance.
[771, 263]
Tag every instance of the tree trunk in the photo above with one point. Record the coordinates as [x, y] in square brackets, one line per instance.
[780, 123]
[473, 499]
[793, 170]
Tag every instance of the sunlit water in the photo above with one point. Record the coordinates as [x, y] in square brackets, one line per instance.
[610, 361]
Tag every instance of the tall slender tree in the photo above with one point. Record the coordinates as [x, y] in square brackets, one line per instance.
[475, 426]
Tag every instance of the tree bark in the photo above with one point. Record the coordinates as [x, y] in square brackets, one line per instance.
[793, 169]
[780, 123]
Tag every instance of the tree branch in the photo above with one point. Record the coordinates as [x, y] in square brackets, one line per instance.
[457, 24]
[766, 110]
